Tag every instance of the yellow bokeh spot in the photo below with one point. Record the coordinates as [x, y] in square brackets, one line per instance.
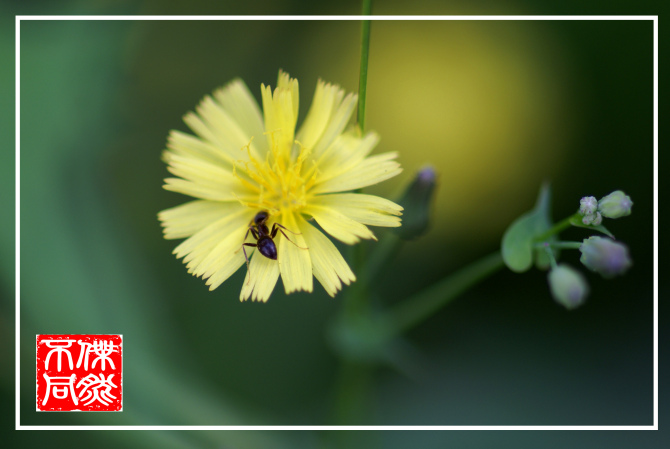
[480, 101]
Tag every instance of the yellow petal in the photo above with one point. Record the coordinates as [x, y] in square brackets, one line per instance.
[185, 145]
[281, 113]
[294, 261]
[238, 102]
[337, 124]
[367, 209]
[189, 218]
[203, 173]
[197, 247]
[223, 260]
[326, 119]
[372, 170]
[339, 225]
[285, 82]
[195, 190]
[328, 265]
[225, 130]
[326, 99]
[346, 152]
[261, 278]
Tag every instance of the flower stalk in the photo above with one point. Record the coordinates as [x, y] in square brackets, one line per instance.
[363, 76]
[424, 304]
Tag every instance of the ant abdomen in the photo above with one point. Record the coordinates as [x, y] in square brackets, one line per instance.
[267, 247]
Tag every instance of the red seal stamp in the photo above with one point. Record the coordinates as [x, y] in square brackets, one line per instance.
[79, 373]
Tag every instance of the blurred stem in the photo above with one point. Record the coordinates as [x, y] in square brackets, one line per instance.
[559, 245]
[552, 259]
[424, 304]
[558, 227]
[353, 402]
[354, 377]
[355, 300]
[382, 255]
[365, 51]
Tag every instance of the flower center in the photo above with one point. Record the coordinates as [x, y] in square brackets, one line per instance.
[282, 181]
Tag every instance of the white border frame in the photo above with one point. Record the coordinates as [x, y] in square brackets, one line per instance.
[18, 20]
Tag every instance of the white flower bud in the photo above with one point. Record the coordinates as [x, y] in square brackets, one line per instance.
[588, 205]
[592, 219]
[605, 256]
[568, 286]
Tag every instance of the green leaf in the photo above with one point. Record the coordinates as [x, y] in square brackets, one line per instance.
[517, 243]
[577, 221]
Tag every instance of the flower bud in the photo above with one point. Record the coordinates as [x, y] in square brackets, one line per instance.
[592, 219]
[416, 202]
[615, 205]
[605, 256]
[568, 286]
[588, 205]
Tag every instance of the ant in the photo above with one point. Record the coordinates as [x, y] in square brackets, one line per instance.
[264, 237]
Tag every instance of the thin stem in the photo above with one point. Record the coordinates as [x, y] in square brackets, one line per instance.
[417, 308]
[558, 227]
[550, 253]
[381, 255]
[365, 52]
[559, 245]
[357, 292]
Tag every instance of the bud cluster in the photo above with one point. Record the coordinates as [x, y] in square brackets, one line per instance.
[615, 205]
[602, 255]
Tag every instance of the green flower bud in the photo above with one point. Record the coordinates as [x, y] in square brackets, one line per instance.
[605, 256]
[615, 205]
[588, 205]
[416, 202]
[568, 286]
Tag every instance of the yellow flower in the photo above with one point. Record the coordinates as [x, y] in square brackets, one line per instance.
[243, 162]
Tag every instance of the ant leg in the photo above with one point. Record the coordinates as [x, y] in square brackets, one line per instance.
[274, 230]
[286, 237]
[247, 258]
[253, 232]
[274, 233]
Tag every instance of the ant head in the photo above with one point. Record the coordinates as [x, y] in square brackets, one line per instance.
[261, 218]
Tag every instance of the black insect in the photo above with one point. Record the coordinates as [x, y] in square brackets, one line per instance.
[264, 237]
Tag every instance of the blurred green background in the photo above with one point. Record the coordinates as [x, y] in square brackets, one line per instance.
[496, 107]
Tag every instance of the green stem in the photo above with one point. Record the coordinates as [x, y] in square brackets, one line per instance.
[559, 245]
[365, 52]
[558, 227]
[550, 253]
[354, 378]
[422, 305]
[353, 402]
[355, 301]
[356, 294]
[381, 255]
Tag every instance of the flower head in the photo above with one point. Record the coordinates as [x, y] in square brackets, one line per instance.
[242, 162]
[568, 286]
[605, 256]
